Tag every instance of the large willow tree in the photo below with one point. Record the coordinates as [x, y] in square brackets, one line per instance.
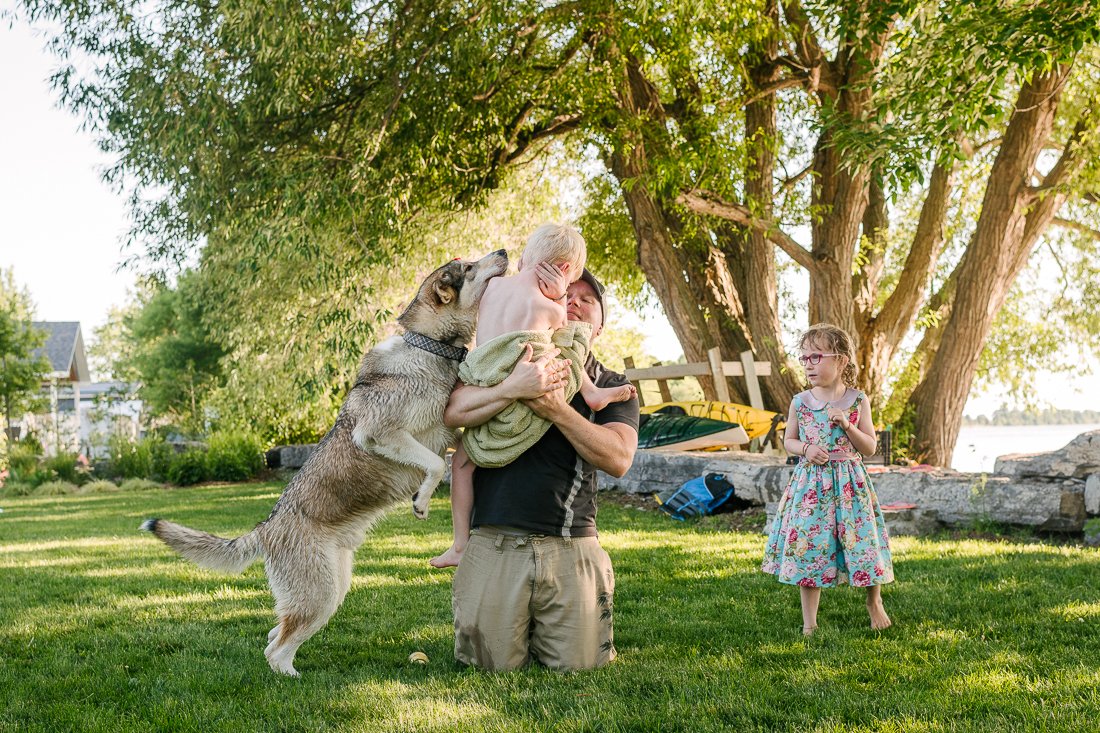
[734, 138]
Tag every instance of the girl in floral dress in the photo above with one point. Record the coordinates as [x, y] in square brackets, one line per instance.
[828, 527]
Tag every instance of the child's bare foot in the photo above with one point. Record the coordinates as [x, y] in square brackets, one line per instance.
[449, 559]
[808, 630]
[598, 398]
[879, 619]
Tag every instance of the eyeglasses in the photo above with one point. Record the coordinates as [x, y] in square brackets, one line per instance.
[813, 359]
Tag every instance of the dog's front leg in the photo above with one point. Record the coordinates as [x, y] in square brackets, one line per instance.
[402, 447]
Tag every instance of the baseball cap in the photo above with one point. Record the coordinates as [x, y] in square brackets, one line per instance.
[597, 286]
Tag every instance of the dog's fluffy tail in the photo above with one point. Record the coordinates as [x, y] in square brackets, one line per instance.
[207, 550]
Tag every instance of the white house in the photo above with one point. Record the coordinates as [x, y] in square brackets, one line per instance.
[81, 413]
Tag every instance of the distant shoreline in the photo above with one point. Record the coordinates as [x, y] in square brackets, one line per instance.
[1048, 417]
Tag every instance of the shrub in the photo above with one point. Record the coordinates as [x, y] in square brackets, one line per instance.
[161, 454]
[150, 457]
[37, 477]
[56, 488]
[98, 487]
[139, 484]
[68, 467]
[233, 457]
[129, 459]
[188, 467]
[23, 459]
[16, 488]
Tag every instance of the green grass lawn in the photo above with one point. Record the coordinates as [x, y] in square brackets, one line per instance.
[104, 628]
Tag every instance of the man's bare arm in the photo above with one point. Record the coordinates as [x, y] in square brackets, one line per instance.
[609, 447]
[471, 405]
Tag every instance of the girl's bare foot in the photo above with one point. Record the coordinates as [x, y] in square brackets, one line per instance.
[879, 619]
[600, 397]
[808, 630]
[449, 559]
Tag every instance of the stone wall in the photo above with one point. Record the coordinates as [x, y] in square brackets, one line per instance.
[1055, 491]
[954, 497]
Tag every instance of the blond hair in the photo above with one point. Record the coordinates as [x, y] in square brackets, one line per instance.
[836, 340]
[557, 244]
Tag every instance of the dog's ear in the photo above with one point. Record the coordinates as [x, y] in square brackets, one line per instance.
[444, 290]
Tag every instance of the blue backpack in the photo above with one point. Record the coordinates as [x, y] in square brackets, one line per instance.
[707, 494]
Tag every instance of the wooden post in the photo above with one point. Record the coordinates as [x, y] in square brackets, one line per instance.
[721, 388]
[662, 385]
[751, 382]
[628, 362]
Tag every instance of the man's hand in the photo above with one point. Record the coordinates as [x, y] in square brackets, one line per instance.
[553, 281]
[549, 405]
[534, 377]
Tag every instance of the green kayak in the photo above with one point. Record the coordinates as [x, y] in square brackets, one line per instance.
[685, 432]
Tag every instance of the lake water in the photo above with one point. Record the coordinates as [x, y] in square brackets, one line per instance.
[979, 445]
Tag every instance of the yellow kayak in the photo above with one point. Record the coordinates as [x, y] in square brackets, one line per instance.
[757, 423]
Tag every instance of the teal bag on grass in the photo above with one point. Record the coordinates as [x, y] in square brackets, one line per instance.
[708, 494]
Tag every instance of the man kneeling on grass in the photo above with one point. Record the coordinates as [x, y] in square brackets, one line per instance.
[534, 582]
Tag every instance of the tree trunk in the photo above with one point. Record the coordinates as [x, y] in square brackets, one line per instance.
[694, 278]
[997, 251]
[881, 334]
[750, 254]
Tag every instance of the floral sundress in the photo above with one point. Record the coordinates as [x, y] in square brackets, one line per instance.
[828, 527]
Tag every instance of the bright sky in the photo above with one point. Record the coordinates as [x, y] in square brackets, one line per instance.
[61, 227]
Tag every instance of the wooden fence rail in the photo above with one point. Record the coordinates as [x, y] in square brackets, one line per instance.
[714, 367]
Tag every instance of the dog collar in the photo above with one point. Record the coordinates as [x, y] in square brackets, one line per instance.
[439, 348]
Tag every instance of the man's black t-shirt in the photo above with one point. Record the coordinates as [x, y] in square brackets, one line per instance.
[549, 489]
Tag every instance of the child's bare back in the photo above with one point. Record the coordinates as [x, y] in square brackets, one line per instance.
[516, 303]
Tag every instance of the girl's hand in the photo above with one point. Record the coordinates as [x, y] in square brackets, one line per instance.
[838, 417]
[817, 455]
[553, 281]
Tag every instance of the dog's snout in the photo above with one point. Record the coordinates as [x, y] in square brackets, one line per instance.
[501, 253]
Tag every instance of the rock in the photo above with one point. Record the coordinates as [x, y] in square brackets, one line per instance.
[1092, 494]
[1079, 458]
[915, 522]
[290, 456]
[755, 477]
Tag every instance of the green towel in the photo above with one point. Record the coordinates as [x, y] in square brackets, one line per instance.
[516, 428]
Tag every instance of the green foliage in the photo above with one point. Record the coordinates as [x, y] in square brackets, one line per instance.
[233, 457]
[55, 488]
[188, 467]
[69, 467]
[21, 373]
[315, 148]
[99, 486]
[1092, 527]
[172, 353]
[139, 484]
[149, 457]
[23, 456]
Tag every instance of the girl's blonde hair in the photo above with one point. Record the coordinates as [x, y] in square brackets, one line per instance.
[835, 340]
[556, 244]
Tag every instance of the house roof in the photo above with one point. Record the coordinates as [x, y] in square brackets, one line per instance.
[64, 349]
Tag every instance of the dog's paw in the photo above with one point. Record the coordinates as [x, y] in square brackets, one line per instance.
[420, 508]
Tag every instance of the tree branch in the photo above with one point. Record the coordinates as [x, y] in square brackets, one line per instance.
[1076, 226]
[703, 202]
[901, 308]
[558, 125]
[808, 47]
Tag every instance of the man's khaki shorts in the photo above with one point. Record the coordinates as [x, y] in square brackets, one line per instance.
[518, 598]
